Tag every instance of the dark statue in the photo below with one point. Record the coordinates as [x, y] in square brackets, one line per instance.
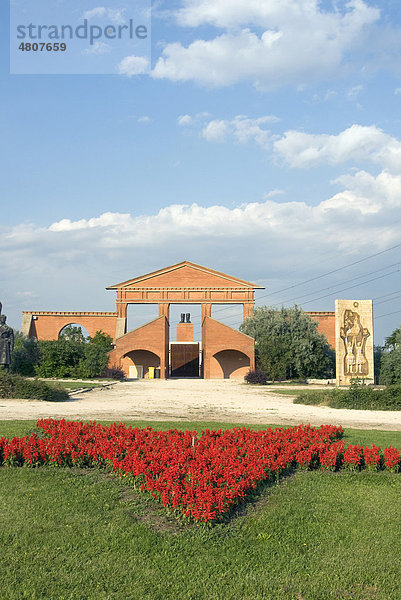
[6, 342]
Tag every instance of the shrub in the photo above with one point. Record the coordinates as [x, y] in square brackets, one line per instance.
[16, 386]
[359, 396]
[288, 344]
[59, 358]
[102, 339]
[390, 371]
[93, 363]
[25, 355]
[256, 377]
[114, 373]
[71, 357]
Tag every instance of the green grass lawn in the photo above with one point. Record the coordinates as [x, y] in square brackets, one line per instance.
[298, 392]
[359, 397]
[68, 534]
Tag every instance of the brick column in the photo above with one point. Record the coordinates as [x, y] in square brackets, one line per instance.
[164, 310]
[248, 309]
[121, 323]
[206, 311]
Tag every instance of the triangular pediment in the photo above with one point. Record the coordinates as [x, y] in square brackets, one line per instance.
[185, 275]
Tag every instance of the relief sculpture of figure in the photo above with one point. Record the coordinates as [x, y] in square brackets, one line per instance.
[6, 343]
[354, 336]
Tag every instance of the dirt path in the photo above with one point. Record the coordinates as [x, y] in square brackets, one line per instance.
[196, 400]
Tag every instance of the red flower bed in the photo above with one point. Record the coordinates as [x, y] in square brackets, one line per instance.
[202, 476]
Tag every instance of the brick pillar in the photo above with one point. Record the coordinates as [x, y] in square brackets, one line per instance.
[164, 310]
[121, 323]
[185, 332]
[206, 311]
[248, 309]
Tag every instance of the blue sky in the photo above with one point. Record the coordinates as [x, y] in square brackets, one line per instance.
[265, 141]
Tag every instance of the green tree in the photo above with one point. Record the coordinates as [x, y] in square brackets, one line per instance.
[94, 362]
[390, 365]
[288, 344]
[59, 358]
[25, 356]
[102, 340]
[72, 333]
[73, 356]
[377, 357]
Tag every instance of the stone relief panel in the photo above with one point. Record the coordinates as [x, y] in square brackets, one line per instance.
[354, 340]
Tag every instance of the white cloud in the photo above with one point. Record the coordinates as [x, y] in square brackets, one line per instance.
[333, 221]
[98, 12]
[356, 143]
[270, 240]
[144, 119]
[97, 48]
[300, 43]
[235, 13]
[133, 65]
[242, 129]
[216, 131]
[116, 15]
[354, 92]
[366, 194]
[184, 120]
[397, 91]
[330, 94]
[273, 193]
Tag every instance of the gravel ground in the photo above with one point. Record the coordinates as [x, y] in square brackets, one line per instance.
[196, 400]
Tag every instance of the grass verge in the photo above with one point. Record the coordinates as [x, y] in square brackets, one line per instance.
[360, 397]
[78, 536]
[69, 534]
[16, 386]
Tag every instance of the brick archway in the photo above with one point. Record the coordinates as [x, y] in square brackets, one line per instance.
[46, 325]
[140, 359]
[183, 283]
[233, 364]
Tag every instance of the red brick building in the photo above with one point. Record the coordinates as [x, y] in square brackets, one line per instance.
[222, 352]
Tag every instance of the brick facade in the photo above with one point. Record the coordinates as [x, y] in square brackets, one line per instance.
[326, 324]
[47, 325]
[226, 353]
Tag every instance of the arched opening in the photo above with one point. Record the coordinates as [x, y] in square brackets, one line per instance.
[233, 363]
[74, 332]
[137, 363]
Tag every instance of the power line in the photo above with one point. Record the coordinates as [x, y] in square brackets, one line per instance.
[389, 294]
[347, 281]
[231, 306]
[357, 262]
[387, 314]
[388, 300]
[323, 275]
[352, 286]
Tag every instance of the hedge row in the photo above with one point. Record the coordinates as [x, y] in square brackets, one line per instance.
[16, 386]
[358, 396]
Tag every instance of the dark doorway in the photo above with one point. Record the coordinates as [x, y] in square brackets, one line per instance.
[184, 360]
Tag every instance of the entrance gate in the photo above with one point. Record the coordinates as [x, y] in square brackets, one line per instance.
[184, 359]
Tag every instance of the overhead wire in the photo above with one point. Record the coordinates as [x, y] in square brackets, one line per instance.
[322, 275]
[336, 291]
